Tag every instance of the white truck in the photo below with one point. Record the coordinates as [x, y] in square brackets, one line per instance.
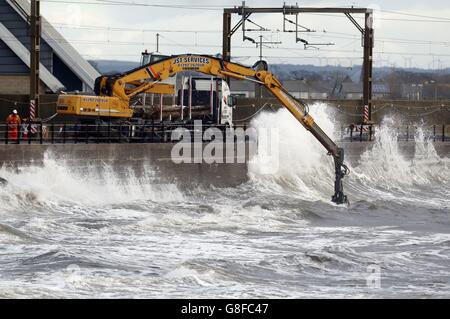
[199, 97]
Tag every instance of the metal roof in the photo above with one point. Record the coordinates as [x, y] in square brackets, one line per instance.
[377, 88]
[381, 88]
[86, 72]
[19, 49]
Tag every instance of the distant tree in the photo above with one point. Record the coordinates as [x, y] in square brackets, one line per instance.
[394, 82]
[305, 75]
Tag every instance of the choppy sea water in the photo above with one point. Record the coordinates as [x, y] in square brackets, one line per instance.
[66, 234]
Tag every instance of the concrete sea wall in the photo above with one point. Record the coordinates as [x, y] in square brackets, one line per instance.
[140, 158]
[156, 158]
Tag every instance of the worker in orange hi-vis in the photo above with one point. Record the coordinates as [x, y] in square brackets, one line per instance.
[13, 121]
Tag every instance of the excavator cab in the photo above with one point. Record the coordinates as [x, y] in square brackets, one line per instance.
[151, 57]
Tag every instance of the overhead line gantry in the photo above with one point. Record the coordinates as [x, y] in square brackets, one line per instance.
[367, 35]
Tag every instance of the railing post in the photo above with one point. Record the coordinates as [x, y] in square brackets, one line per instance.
[144, 133]
[152, 131]
[361, 133]
[64, 133]
[120, 132]
[224, 134]
[443, 132]
[29, 133]
[53, 133]
[130, 133]
[407, 133]
[97, 135]
[41, 137]
[109, 131]
[351, 133]
[370, 132]
[164, 133]
[434, 133]
[6, 134]
[18, 133]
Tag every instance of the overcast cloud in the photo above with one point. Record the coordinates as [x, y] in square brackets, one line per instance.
[412, 43]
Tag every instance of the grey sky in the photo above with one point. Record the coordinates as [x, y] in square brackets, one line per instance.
[123, 32]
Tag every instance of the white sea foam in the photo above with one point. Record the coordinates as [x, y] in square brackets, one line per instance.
[98, 186]
[305, 170]
[303, 164]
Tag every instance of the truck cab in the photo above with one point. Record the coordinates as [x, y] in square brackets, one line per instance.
[210, 98]
[228, 103]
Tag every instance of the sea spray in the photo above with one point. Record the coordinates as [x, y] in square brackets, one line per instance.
[382, 171]
[56, 181]
[305, 168]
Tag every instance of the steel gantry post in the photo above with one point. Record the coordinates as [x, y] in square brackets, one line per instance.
[368, 62]
[35, 25]
[226, 53]
[226, 41]
[367, 35]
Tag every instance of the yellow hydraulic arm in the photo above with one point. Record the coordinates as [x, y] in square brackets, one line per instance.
[144, 78]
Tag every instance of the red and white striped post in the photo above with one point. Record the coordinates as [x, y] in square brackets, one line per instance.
[35, 43]
[366, 114]
[365, 119]
[33, 115]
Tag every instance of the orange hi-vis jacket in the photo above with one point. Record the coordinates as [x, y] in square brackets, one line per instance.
[13, 122]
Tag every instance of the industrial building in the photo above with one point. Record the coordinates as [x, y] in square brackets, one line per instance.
[61, 68]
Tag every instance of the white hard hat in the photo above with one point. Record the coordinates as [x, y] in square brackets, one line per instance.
[15, 111]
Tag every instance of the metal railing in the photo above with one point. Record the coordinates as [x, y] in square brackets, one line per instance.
[407, 133]
[161, 132]
[155, 132]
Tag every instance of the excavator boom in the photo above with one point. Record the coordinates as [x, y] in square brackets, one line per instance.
[123, 87]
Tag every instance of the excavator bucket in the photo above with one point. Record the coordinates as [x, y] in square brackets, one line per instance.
[340, 170]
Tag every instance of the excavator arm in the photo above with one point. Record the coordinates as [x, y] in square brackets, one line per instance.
[300, 111]
[142, 79]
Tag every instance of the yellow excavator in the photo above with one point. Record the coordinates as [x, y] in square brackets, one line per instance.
[114, 94]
